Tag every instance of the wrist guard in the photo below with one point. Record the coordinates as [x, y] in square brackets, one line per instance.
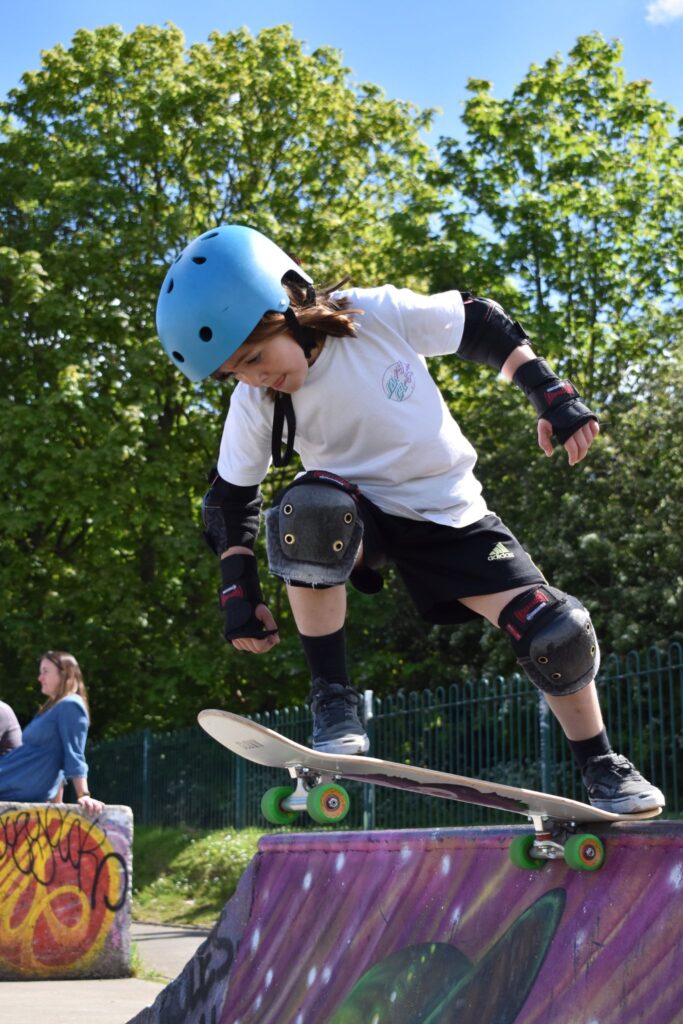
[555, 400]
[239, 595]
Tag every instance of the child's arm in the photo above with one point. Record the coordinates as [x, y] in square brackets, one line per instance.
[231, 516]
[249, 624]
[491, 337]
[575, 426]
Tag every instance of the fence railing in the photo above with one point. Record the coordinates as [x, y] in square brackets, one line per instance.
[499, 729]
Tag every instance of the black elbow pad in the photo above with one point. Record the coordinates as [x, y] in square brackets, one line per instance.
[231, 514]
[489, 335]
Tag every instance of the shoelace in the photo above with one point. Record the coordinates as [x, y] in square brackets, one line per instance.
[624, 767]
[616, 763]
[332, 699]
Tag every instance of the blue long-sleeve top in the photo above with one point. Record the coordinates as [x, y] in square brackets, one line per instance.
[53, 744]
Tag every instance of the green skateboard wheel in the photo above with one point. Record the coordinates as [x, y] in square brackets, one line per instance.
[272, 809]
[328, 803]
[519, 853]
[584, 853]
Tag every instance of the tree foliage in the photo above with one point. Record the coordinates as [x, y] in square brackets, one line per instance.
[573, 190]
[114, 154]
[578, 174]
[564, 203]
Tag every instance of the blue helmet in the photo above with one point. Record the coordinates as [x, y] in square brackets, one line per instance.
[215, 294]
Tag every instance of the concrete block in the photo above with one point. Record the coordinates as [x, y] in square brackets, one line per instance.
[65, 885]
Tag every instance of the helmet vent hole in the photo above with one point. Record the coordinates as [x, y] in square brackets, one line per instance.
[177, 259]
[199, 259]
[178, 356]
[205, 333]
[170, 287]
[212, 235]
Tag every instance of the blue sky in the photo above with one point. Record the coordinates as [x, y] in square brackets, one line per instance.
[423, 52]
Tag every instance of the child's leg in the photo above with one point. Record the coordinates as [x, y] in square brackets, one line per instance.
[578, 713]
[612, 781]
[319, 614]
[314, 537]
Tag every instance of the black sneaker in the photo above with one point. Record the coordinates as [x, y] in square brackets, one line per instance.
[613, 784]
[337, 728]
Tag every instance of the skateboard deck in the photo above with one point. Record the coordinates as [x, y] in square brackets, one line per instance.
[316, 773]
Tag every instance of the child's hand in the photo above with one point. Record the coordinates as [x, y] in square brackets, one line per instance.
[251, 644]
[576, 446]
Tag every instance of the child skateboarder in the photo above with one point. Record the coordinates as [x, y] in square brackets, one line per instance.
[341, 377]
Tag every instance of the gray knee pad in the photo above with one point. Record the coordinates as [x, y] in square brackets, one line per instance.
[314, 532]
[553, 638]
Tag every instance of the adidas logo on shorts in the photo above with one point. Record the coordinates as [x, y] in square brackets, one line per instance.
[500, 552]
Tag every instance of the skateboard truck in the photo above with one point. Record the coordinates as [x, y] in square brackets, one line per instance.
[318, 794]
[581, 852]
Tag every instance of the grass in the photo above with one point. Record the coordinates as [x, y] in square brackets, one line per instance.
[186, 877]
[139, 968]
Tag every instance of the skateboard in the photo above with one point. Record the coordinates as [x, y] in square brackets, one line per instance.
[317, 791]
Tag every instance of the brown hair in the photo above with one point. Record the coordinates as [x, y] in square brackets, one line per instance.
[315, 309]
[70, 679]
[319, 312]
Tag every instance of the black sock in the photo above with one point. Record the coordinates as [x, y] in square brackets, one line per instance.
[583, 750]
[326, 656]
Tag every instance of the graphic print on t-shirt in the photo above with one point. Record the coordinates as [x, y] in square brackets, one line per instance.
[398, 382]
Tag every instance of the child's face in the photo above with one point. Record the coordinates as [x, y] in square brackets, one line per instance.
[277, 363]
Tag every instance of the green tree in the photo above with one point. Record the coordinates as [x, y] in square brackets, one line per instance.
[573, 190]
[112, 156]
[626, 546]
[578, 174]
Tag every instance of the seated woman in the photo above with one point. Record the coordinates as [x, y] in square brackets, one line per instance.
[53, 744]
[10, 730]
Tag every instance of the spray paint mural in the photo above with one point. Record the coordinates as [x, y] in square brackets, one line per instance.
[439, 928]
[65, 884]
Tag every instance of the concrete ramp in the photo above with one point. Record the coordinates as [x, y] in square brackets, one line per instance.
[437, 927]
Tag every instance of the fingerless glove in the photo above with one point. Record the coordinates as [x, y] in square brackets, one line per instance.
[239, 596]
[554, 399]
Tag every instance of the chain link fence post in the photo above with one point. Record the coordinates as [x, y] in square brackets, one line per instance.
[369, 791]
[544, 743]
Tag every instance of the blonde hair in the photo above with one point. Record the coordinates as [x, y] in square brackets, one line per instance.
[70, 679]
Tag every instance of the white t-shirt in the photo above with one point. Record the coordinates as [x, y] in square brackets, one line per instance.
[370, 412]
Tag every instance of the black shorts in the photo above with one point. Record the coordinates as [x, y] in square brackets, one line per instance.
[440, 564]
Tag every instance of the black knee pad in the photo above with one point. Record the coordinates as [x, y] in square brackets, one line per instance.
[553, 638]
[314, 532]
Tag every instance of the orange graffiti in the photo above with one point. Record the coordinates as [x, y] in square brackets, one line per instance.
[61, 883]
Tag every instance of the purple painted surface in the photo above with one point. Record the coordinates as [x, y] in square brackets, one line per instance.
[438, 927]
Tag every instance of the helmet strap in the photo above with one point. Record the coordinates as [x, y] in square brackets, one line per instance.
[283, 412]
[305, 336]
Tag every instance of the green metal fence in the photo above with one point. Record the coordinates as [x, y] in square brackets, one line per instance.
[497, 729]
